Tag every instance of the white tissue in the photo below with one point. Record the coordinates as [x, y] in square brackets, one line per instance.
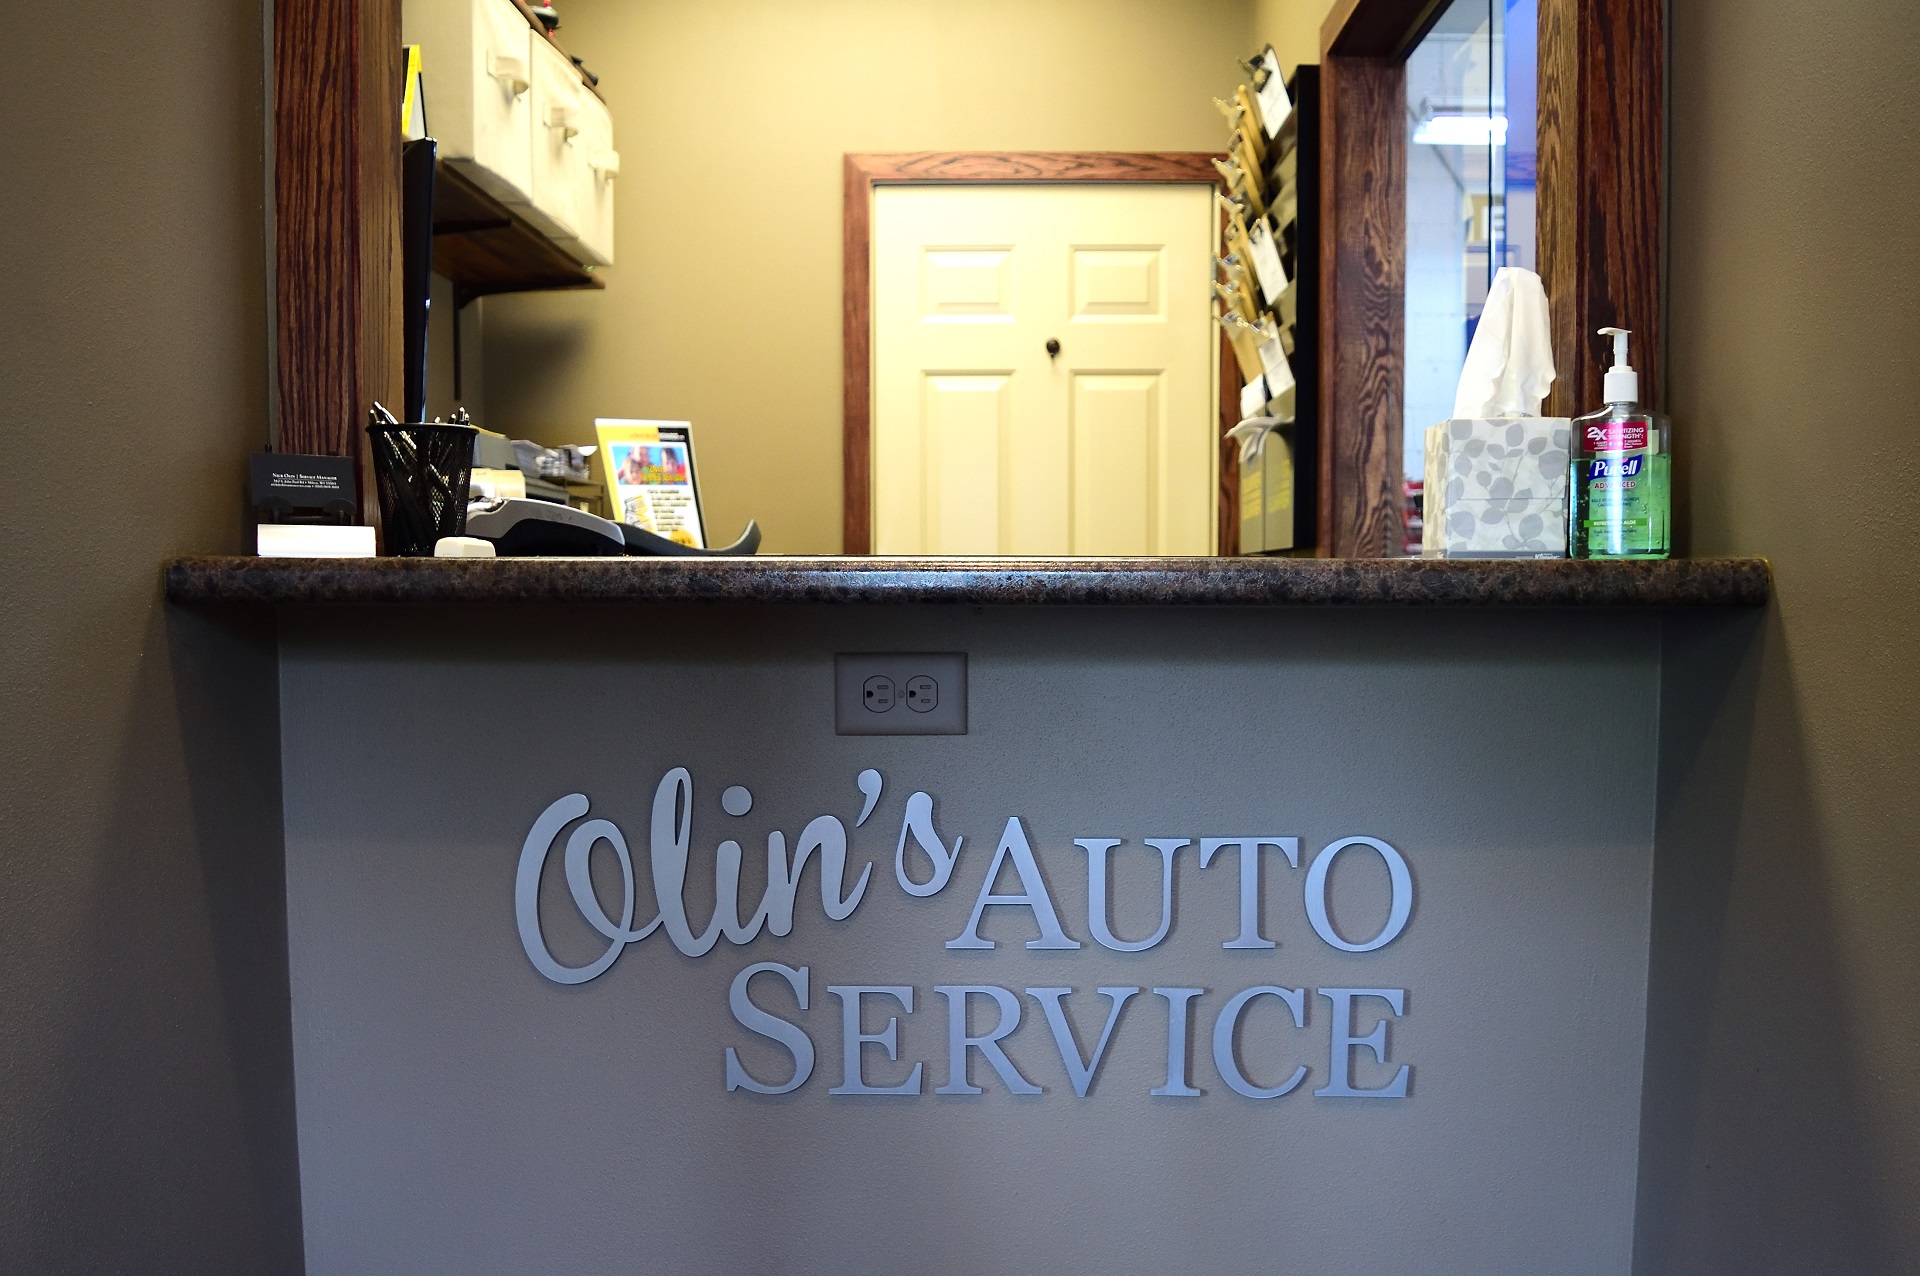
[1509, 366]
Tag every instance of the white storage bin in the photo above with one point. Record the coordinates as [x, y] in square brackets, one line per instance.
[560, 171]
[594, 199]
[474, 60]
[574, 163]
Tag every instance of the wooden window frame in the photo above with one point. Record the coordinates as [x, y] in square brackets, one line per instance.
[861, 174]
[336, 228]
[1598, 229]
[338, 72]
[336, 234]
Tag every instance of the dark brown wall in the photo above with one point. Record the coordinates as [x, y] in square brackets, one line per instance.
[1781, 1130]
[145, 1115]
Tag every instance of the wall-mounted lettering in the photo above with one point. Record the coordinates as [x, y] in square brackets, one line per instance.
[925, 864]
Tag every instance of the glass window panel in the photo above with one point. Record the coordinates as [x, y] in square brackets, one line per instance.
[1470, 190]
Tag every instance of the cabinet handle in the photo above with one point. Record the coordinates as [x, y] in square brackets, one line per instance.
[607, 164]
[510, 71]
[562, 118]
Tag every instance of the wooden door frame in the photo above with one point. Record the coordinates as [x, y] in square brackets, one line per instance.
[861, 174]
[1601, 156]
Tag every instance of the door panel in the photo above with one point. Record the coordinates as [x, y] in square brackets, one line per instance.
[967, 285]
[1118, 284]
[965, 426]
[1117, 429]
[985, 444]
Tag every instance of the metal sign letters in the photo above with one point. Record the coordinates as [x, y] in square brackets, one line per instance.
[924, 865]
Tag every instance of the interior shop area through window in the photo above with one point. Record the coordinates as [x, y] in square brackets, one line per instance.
[1470, 192]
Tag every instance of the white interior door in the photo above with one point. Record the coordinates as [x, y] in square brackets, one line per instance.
[986, 443]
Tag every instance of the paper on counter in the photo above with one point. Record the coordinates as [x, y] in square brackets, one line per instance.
[313, 540]
[496, 485]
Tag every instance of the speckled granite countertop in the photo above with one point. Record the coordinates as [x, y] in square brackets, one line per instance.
[1699, 582]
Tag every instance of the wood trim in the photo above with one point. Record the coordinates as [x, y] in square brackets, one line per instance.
[1229, 499]
[1601, 183]
[1037, 166]
[1376, 28]
[338, 76]
[1599, 195]
[316, 47]
[860, 173]
[382, 326]
[1363, 238]
[856, 356]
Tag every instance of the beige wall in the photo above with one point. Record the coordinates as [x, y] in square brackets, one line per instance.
[1292, 27]
[731, 119]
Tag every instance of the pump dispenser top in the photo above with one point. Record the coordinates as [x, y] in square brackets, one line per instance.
[1622, 383]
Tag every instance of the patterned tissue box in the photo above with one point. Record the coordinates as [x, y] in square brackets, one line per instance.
[1496, 488]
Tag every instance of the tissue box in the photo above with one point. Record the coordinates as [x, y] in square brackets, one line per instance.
[1496, 488]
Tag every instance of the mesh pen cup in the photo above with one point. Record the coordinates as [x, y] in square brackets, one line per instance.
[423, 473]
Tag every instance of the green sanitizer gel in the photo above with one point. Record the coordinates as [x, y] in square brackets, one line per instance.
[1620, 488]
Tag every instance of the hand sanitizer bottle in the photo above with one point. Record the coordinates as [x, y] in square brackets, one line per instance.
[1620, 488]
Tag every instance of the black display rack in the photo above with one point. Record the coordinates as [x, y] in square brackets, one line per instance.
[1295, 157]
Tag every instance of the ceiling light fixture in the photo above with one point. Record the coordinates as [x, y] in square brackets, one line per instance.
[1461, 130]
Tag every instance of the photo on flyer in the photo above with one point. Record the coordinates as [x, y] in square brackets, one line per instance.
[648, 470]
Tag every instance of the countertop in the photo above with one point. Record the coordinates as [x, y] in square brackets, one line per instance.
[1401, 582]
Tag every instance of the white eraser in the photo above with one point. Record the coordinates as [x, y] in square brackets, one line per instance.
[462, 547]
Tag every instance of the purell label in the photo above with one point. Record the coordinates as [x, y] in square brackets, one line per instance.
[1614, 436]
[1623, 468]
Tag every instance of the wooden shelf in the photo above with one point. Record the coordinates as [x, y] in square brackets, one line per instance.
[485, 247]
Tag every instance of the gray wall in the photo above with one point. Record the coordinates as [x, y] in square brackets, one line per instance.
[461, 1114]
[145, 1120]
[1781, 1129]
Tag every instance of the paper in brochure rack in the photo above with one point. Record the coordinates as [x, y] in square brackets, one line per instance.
[648, 469]
[1275, 105]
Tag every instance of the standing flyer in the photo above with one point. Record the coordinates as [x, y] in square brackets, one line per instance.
[648, 470]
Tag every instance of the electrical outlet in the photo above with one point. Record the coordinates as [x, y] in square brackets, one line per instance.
[893, 693]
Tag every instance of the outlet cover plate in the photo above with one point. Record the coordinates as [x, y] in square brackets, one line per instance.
[900, 693]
